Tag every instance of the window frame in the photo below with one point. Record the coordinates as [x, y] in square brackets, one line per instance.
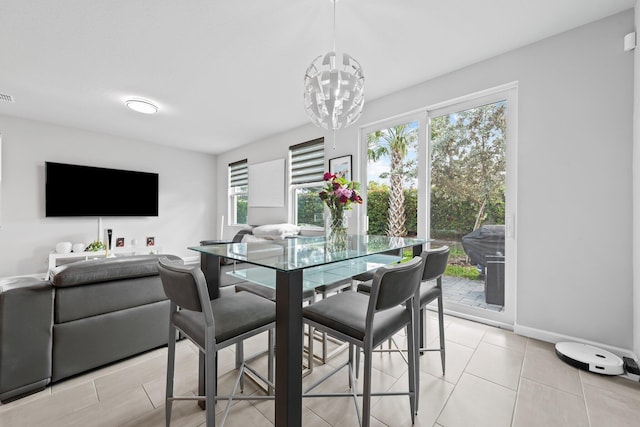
[295, 187]
[235, 191]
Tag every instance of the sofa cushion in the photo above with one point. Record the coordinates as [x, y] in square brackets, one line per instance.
[99, 340]
[106, 269]
[78, 302]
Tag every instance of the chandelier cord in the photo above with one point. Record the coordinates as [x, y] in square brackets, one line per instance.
[334, 25]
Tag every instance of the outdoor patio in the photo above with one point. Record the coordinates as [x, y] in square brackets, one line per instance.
[467, 292]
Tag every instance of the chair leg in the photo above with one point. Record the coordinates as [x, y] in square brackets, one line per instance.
[366, 387]
[441, 327]
[310, 348]
[413, 374]
[324, 348]
[353, 350]
[423, 330]
[271, 358]
[239, 361]
[211, 374]
[171, 361]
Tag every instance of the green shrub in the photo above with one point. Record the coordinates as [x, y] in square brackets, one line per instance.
[464, 272]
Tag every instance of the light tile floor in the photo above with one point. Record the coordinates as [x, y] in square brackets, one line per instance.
[493, 378]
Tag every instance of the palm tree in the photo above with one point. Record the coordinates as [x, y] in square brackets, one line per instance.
[394, 142]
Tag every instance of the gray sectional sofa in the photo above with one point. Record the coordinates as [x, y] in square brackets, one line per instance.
[88, 314]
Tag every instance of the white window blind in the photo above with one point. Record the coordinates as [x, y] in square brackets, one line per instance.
[238, 173]
[307, 161]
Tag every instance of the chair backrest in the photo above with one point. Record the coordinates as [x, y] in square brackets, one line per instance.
[181, 284]
[395, 284]
[435, 262]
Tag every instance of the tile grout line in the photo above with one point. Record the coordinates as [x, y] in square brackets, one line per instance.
[458, 380]
[95, 389]
[584, 399]
[515, 405]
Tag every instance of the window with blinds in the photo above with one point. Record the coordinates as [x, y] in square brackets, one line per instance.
[307, 162]
[307, 170]
[238, 173]
[238, 192]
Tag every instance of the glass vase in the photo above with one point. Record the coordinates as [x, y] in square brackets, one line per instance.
[336, 230]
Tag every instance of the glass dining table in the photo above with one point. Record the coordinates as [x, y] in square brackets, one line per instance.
[292, 266]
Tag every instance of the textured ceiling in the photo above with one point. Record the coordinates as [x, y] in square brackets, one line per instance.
[229, 73]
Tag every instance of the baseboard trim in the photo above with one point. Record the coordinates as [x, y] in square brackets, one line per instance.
[477, 319]
[554, 337]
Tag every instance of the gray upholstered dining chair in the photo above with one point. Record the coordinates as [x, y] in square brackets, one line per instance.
[365, 321]
[322, 292]
[309, 296]
[212, 325]
[435, 264]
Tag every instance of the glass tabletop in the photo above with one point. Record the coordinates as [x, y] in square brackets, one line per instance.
[304, 252]
[313, 277]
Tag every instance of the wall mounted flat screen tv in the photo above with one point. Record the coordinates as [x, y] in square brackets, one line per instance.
[76, 190]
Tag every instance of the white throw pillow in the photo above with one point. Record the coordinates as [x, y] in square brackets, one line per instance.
[276, 231]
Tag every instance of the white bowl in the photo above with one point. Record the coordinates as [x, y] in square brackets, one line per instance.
[78, 247]
[63, 247]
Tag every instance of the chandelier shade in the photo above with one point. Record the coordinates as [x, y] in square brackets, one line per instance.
[334, 91]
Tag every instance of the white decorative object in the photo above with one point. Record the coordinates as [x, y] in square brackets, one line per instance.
[139, 250]
[276, 231]
[267, 184]
[334, 91]
[78, 247]
[63, 247]
[334, 88]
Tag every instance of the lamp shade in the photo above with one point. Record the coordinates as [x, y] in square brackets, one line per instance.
[334, 91]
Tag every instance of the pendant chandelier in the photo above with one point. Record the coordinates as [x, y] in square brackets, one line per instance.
[334, 88]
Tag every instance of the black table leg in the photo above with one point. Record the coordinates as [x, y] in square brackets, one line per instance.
[210, 266]
[289, 348]
[417, 250]
[202, 367]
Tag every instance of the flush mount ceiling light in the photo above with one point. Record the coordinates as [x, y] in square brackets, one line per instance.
[334, 88]
[141, 105]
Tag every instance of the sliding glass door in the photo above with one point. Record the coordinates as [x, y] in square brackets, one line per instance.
[448, 173]
[391, 185]
[472, 202]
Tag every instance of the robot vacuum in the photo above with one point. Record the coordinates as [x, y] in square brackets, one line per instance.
[590, 358]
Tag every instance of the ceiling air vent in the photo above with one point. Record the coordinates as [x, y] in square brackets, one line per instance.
[6, 98]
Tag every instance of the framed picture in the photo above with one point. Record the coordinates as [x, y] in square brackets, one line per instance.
[341, 166]
[151, 241]
[120, 242]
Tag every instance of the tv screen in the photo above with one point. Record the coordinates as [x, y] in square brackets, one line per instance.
[76, 190]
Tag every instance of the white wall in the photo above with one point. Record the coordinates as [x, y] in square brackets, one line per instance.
[575, 100]
[266, 150]
[186, 193]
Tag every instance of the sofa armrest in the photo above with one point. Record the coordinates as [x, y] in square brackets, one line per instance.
[26, 324]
